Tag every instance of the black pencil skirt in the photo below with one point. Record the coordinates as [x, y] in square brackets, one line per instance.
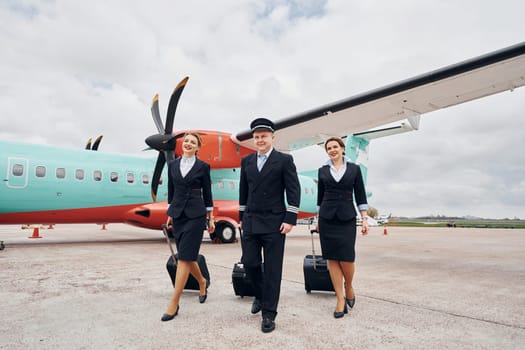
[337, 239]
[188, 236]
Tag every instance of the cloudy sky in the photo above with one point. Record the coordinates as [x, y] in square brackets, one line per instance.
[70, 70]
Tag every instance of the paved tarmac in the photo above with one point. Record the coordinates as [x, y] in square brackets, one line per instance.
[80, 287]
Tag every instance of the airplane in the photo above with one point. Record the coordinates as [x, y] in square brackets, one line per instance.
[46, 184]
[383, 219]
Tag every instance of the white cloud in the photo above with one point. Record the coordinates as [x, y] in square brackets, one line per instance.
[71, 70]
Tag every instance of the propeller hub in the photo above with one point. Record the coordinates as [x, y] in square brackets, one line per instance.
[161, 142]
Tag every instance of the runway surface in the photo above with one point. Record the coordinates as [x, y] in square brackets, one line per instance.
[80, 287]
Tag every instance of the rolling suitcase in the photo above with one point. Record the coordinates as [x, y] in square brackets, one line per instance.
[316, 275]
[171, 266]
[242, 286]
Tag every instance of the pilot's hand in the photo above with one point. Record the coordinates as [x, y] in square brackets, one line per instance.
[285, 228]
[168, 222]
[211, 226]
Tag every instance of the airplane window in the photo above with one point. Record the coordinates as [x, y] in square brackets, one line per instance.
[113, 176]
[306, 190]
[220, 184]
[40, 171]
[61, 173]
[130, 177]
[18, 170]
[232, 185]
[145, 179]
[97, 175]
[79, 174]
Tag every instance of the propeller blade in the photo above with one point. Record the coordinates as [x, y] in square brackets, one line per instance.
[159, 166]
[172, 107]
[88, 144]
[97, 143]
[156, 114]
[164, 142]
[170, 155]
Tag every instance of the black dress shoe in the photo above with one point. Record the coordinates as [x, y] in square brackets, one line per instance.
[267, 325]
[350, 302]
[167, 317]
[256, 306]
[339, 314]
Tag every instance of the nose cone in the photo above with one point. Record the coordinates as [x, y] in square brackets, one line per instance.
[161, 142]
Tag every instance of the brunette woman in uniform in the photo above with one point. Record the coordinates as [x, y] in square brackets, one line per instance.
[340, 181]
[190, 204]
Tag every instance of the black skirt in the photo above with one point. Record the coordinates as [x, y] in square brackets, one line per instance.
[188, 236]
[337, 239]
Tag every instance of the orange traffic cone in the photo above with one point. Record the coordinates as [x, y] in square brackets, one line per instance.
[50, 227]
[36, 233]
[385, 232]
[103, 227]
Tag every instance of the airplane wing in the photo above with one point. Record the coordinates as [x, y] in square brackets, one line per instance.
[465, 81]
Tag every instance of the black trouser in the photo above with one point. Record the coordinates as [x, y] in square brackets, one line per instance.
[267, 283]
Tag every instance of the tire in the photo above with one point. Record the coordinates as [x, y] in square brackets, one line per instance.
[225, 232]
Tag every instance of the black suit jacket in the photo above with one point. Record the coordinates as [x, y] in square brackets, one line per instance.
[261, 194]
[190, 194]
[336, 198]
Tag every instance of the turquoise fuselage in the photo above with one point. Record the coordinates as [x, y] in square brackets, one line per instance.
[38, 178]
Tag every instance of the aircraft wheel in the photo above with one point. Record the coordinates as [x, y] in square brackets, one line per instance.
[225, 232]
[2, 246]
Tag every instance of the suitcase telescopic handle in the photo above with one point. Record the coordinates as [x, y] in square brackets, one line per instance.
[313, 247]
[165, 231]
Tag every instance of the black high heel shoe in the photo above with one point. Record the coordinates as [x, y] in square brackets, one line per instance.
[350, 302]
[167, 317]
[202, 298]
[339, 314]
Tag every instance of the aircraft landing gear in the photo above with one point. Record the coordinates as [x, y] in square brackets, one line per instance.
[224, 231]
[2, 245]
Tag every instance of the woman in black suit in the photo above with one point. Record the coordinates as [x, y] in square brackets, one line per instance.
[190, 199]
[340, 181]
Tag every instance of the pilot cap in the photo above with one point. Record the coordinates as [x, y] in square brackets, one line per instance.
[262, 124]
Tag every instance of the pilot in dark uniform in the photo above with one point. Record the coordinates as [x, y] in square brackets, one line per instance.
[265, 178]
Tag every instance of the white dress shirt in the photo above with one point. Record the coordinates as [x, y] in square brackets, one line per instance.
[186, 164]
